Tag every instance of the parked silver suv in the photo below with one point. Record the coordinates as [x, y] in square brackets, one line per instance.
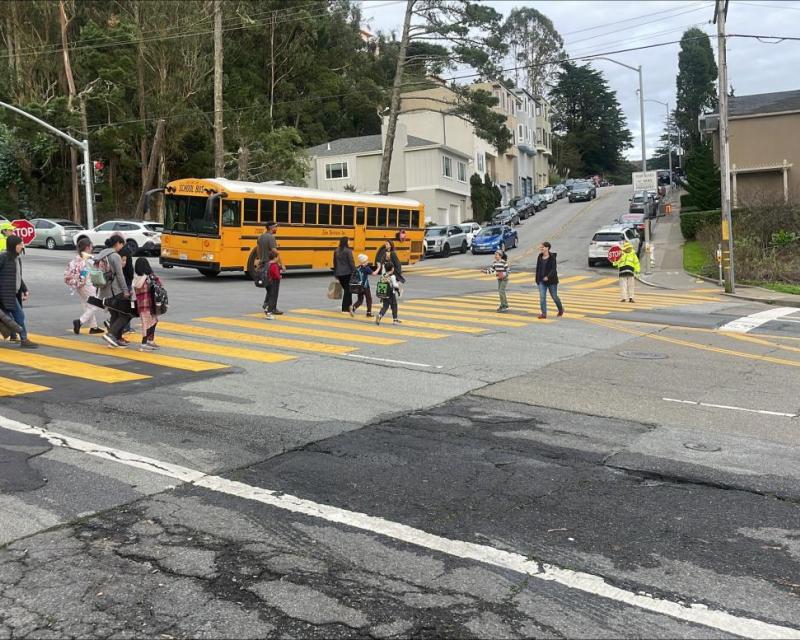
[442, 241]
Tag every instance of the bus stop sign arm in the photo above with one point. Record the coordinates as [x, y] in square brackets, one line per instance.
[82, 145]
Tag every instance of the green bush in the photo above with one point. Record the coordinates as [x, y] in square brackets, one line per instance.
[693, 221]
[686, 201]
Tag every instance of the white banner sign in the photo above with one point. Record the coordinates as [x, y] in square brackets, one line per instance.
[645, 181]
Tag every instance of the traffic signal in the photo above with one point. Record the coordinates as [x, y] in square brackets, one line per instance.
[99, 167]
[82, 173]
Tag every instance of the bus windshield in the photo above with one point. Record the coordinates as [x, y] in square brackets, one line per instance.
[187, 214]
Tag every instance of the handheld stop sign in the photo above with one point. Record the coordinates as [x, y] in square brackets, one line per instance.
[614, 253]
[25, 230]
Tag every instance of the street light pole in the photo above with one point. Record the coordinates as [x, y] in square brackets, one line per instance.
[83, 145]
[641, 101]
[720, 14]
[669, 136]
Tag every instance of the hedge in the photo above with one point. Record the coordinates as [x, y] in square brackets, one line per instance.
[692, 222]
[686, 201]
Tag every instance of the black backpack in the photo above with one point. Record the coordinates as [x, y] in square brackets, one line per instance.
[160, 297]
[355, 282]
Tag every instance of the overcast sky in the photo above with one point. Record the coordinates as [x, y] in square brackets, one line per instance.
[595, 27]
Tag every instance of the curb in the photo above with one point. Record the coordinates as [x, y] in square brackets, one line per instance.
[773, 301]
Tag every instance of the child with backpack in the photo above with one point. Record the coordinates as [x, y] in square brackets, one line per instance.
[77, 278]
[150, 302]
[273, 283]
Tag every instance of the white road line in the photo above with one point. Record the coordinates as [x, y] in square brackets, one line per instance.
[585, 582]
[412, 364]
[748, 323]
[725, 406]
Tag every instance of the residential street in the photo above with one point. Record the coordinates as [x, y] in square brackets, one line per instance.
[628, 470]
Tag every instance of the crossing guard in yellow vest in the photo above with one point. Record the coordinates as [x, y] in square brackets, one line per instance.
[628, 265]
[6, 229]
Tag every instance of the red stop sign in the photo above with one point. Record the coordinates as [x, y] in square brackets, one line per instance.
[24, 230]
[614, 253]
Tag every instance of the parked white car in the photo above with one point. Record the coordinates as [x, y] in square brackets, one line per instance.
[442, 241]
[607, 237]
[549, 194]
[141, 236]
[470, 228]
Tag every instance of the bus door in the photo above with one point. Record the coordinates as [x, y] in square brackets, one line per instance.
[360, 237]
[233, 249]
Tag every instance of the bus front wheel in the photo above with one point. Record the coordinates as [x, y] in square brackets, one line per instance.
[209, 273]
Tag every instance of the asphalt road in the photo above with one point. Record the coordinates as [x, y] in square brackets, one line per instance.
[627, 470]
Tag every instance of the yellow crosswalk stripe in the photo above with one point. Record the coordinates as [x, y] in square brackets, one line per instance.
[172, 362]
[570, 279]
[268, 326]
[252, 338]
[9, 387]
[455, 328]
[419, 312]
[466, 312]
[481, 307]
[72, 368]
[226, 351]
[594, 284]
[534, 309]
[348, 324]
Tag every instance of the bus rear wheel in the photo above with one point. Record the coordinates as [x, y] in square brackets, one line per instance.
[209, 273]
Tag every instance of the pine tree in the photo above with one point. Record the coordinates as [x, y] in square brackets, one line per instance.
[703, 177]
[696, 91]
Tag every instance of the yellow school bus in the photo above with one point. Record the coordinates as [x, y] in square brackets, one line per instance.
[212, 224]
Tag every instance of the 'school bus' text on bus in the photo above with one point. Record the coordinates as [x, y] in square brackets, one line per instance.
[213, 225]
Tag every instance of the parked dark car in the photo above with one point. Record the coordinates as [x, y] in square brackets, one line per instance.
[524, 206]
[505, 215]
[539, 201]
[637, 220]
[560, 191]
[642, 202]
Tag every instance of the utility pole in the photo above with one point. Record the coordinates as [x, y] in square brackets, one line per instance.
[720, 15]
[83, 145]
[641, 119]
[219, 138]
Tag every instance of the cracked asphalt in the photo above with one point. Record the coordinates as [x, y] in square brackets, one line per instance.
[546, 441]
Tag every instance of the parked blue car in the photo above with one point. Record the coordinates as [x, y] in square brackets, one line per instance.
[490, 239]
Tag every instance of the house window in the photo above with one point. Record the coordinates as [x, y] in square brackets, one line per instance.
[447, 167]
[480, 162]
[520, 134]
[462, 171]
[538, 110]
[336, 171]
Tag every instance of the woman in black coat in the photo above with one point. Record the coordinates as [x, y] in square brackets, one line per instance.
[343, 267]
[13, 291]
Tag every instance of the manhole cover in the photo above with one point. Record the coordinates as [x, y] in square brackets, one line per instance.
[699, 446]
[643, 355]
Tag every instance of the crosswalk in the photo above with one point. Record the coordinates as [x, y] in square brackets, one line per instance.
[213, 344]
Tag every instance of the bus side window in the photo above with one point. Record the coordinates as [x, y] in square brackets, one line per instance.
[324, 213]
[392, 218]
[250, 211]
[405, 218]
[336, 217]
[372, 217]
[281, 211]
[230, 213]
[311, 213]
[348, 218]
[297, 212]
[415, 219]
[267, 210]
[383, 213]
[360, 214]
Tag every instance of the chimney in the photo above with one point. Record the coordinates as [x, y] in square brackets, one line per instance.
[329, 146]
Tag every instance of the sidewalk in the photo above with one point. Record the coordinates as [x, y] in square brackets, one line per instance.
[668, 272]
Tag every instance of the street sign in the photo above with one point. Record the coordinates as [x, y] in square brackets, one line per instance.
[24, 230]
[614, 253]
[645, 181]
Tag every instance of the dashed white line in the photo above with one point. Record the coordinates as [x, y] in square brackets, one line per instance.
[726, 406]
[587, 583]
[410, 364]
[748, 323]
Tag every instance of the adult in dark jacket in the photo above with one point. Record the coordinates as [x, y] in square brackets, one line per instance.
[127, 270]
[547, 279]
[13, 291]
[380, 258]
[116, 293]
[343, 267]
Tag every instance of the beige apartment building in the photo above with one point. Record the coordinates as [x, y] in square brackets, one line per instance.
[764, 134]
[436, 153]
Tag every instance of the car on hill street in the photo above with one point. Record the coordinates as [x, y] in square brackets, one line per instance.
[444, 240]
[560, 190]
[581, 191]
[505, 215]
[642, 202]
[140, 236]
[549, 194]
[607, 237]
[636, 220]
[55, 232]
[470, 229]
[524, 206]
[539, 202]
[490, 239]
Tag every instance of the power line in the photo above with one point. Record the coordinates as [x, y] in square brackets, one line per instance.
[615, 22]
